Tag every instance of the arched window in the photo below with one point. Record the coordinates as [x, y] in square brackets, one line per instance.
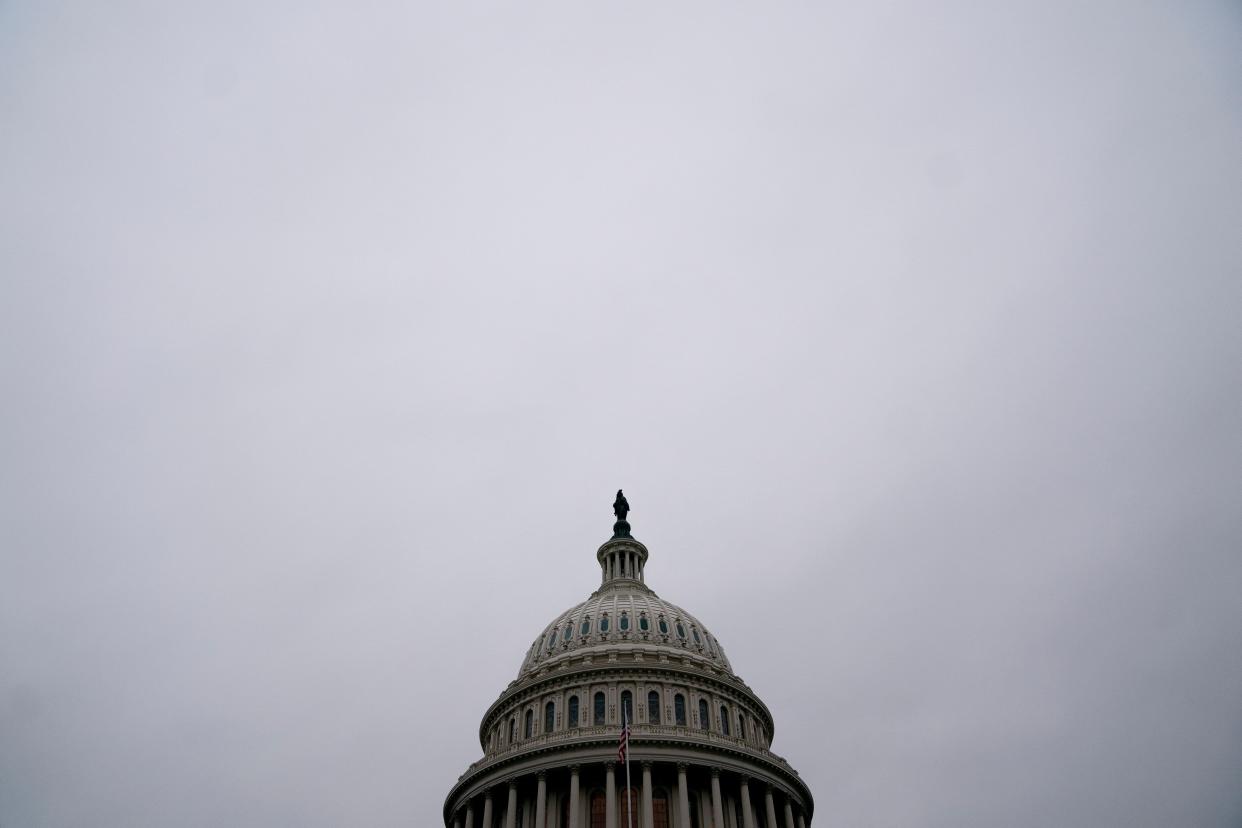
[632, 795]
[512, 730]
[724, 720]
[653, 707]
[627, 706]
[659, 809]
[695, 632]
[551, 641]
[704, 720]
[569, 631]
[741, 725]
[663, 626]
[573, 711]
[529, 727]
[681, 631]
[549, 717]
[625, 622]
[585, 629]
[599, 810]
[679, 710]
[599, 708]
[643, 623]
[603, 624]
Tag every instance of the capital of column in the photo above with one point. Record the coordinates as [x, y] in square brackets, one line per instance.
[543, 774]
[512, 780]
[610, 766]
[574, 769]
[715, 772]
[646, 764]
[683, 766]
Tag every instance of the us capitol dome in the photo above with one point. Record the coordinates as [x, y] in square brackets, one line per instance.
[699, 740]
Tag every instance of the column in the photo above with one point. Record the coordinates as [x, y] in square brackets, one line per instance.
[469, 815]
[541, 800]
[748, 816]
[487, 810]
[573, 797]
[789, 823]
[610, 794]
[511, 813]
[457, 821]
[768, 805]
[801, 820]
[648, 810]
[717, 807]
[683, 797]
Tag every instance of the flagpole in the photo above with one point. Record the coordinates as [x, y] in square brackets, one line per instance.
[629, 815]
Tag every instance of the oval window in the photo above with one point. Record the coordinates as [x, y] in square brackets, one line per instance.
[586, 626]
[643, 624]
[625, 622]
[681, 631]
[603, 624]
[569, 632]
[663, 626]
[695, 632]
[552, 640]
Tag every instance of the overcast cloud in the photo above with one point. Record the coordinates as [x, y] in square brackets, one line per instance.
[911, 330]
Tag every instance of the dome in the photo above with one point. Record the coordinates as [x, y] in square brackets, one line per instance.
[626, 675]
[624, 619]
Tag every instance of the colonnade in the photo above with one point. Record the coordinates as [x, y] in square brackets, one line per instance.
[791, 811]
[622, 565]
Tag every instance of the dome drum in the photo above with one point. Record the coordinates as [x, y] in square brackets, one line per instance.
[570, 696]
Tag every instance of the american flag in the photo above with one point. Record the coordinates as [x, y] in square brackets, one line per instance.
[624, 746]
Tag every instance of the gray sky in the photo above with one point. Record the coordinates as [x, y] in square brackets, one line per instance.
[327, 334]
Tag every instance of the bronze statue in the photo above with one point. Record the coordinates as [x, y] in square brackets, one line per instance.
[620, 506]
